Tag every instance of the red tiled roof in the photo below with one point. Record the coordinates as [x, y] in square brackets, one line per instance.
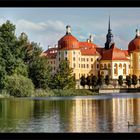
[50, 53]
[126, 52]
[68, 42]
[134, 45]
[88, 51]
[100, 50]
[113, 53]
[87, 44]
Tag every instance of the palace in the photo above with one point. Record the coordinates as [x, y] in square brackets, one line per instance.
[87, 58]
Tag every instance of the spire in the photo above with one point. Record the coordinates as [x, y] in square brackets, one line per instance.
[109, 36]
[109, 24]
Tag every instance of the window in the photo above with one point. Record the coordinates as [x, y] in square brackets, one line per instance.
[91, 65]
[84, 65]
[97, 66]
[124, 69]
[79, 75]
[66, 52]
[109, 66]
[54, 62]
[101, 66]
[115, 69]
[87, 59]
[74, 65]
[54, 68]
[59, 53]
[91, 59]
[120, 66]
[73, 58]
[74, 52]
[79, 58]
[83, 59]
[59, 58]
[79, 65]
[87, 66]
[66, 58]
[105, 66]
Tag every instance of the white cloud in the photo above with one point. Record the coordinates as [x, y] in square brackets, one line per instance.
[45, 33]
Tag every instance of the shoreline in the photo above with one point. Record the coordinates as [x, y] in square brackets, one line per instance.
[110, 95]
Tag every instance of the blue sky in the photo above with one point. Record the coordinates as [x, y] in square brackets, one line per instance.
[47, 25]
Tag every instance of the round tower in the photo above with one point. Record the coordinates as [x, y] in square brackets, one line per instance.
[134, 51]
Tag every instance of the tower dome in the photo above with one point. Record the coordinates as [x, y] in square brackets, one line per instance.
[68, 41]
[134, 45]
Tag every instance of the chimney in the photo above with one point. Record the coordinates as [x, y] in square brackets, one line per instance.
[88, 40]
[49, 46]
[137, 33]
[91, 38]
[68, 29]
[55, 46]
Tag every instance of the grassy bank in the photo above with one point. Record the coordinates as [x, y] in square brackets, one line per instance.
[61, 93]
[51, 93]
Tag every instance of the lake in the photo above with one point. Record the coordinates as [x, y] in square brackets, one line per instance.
[99, 113]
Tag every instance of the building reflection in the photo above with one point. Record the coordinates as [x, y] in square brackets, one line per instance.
[104, 115]
[78, 115]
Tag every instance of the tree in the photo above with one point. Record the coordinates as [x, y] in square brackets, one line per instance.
[64, 78]
[107, 80]
[40, 72]
[100, 80]
[10, 50]
[88, 81]
[134, 80]
[120, 80]
[94, 81]
[19, 86]
[128, 81]
[83, 81]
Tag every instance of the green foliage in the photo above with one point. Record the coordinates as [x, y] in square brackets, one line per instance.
[128, 81]
[107, 80]
[2, 77]
[72, 92]
[120, 80]
[39, 72]
[43, 93]
[19, 86]
[83, 81]
[88, 81]
[63, 79]
[134, 80]
[94, 81]
[100, 80]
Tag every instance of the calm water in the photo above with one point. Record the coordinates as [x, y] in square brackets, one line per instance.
[106, 113]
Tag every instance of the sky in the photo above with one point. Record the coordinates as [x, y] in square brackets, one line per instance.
[47, 25]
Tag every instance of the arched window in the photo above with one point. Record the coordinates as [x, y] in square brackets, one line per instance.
[120, 66]
[124, 69]
[101, 66]
[105, 66]
[109, 66]
[115, 69]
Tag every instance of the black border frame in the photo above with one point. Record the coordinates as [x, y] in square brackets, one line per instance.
[67, 4]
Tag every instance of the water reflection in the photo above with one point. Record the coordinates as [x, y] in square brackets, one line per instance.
[80, 115]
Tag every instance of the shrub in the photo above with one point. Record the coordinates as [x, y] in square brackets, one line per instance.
[19, 86]
[72, 92]
[120, 80]
[43, 93]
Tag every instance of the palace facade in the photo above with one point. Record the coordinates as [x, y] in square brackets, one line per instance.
[87, 58]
